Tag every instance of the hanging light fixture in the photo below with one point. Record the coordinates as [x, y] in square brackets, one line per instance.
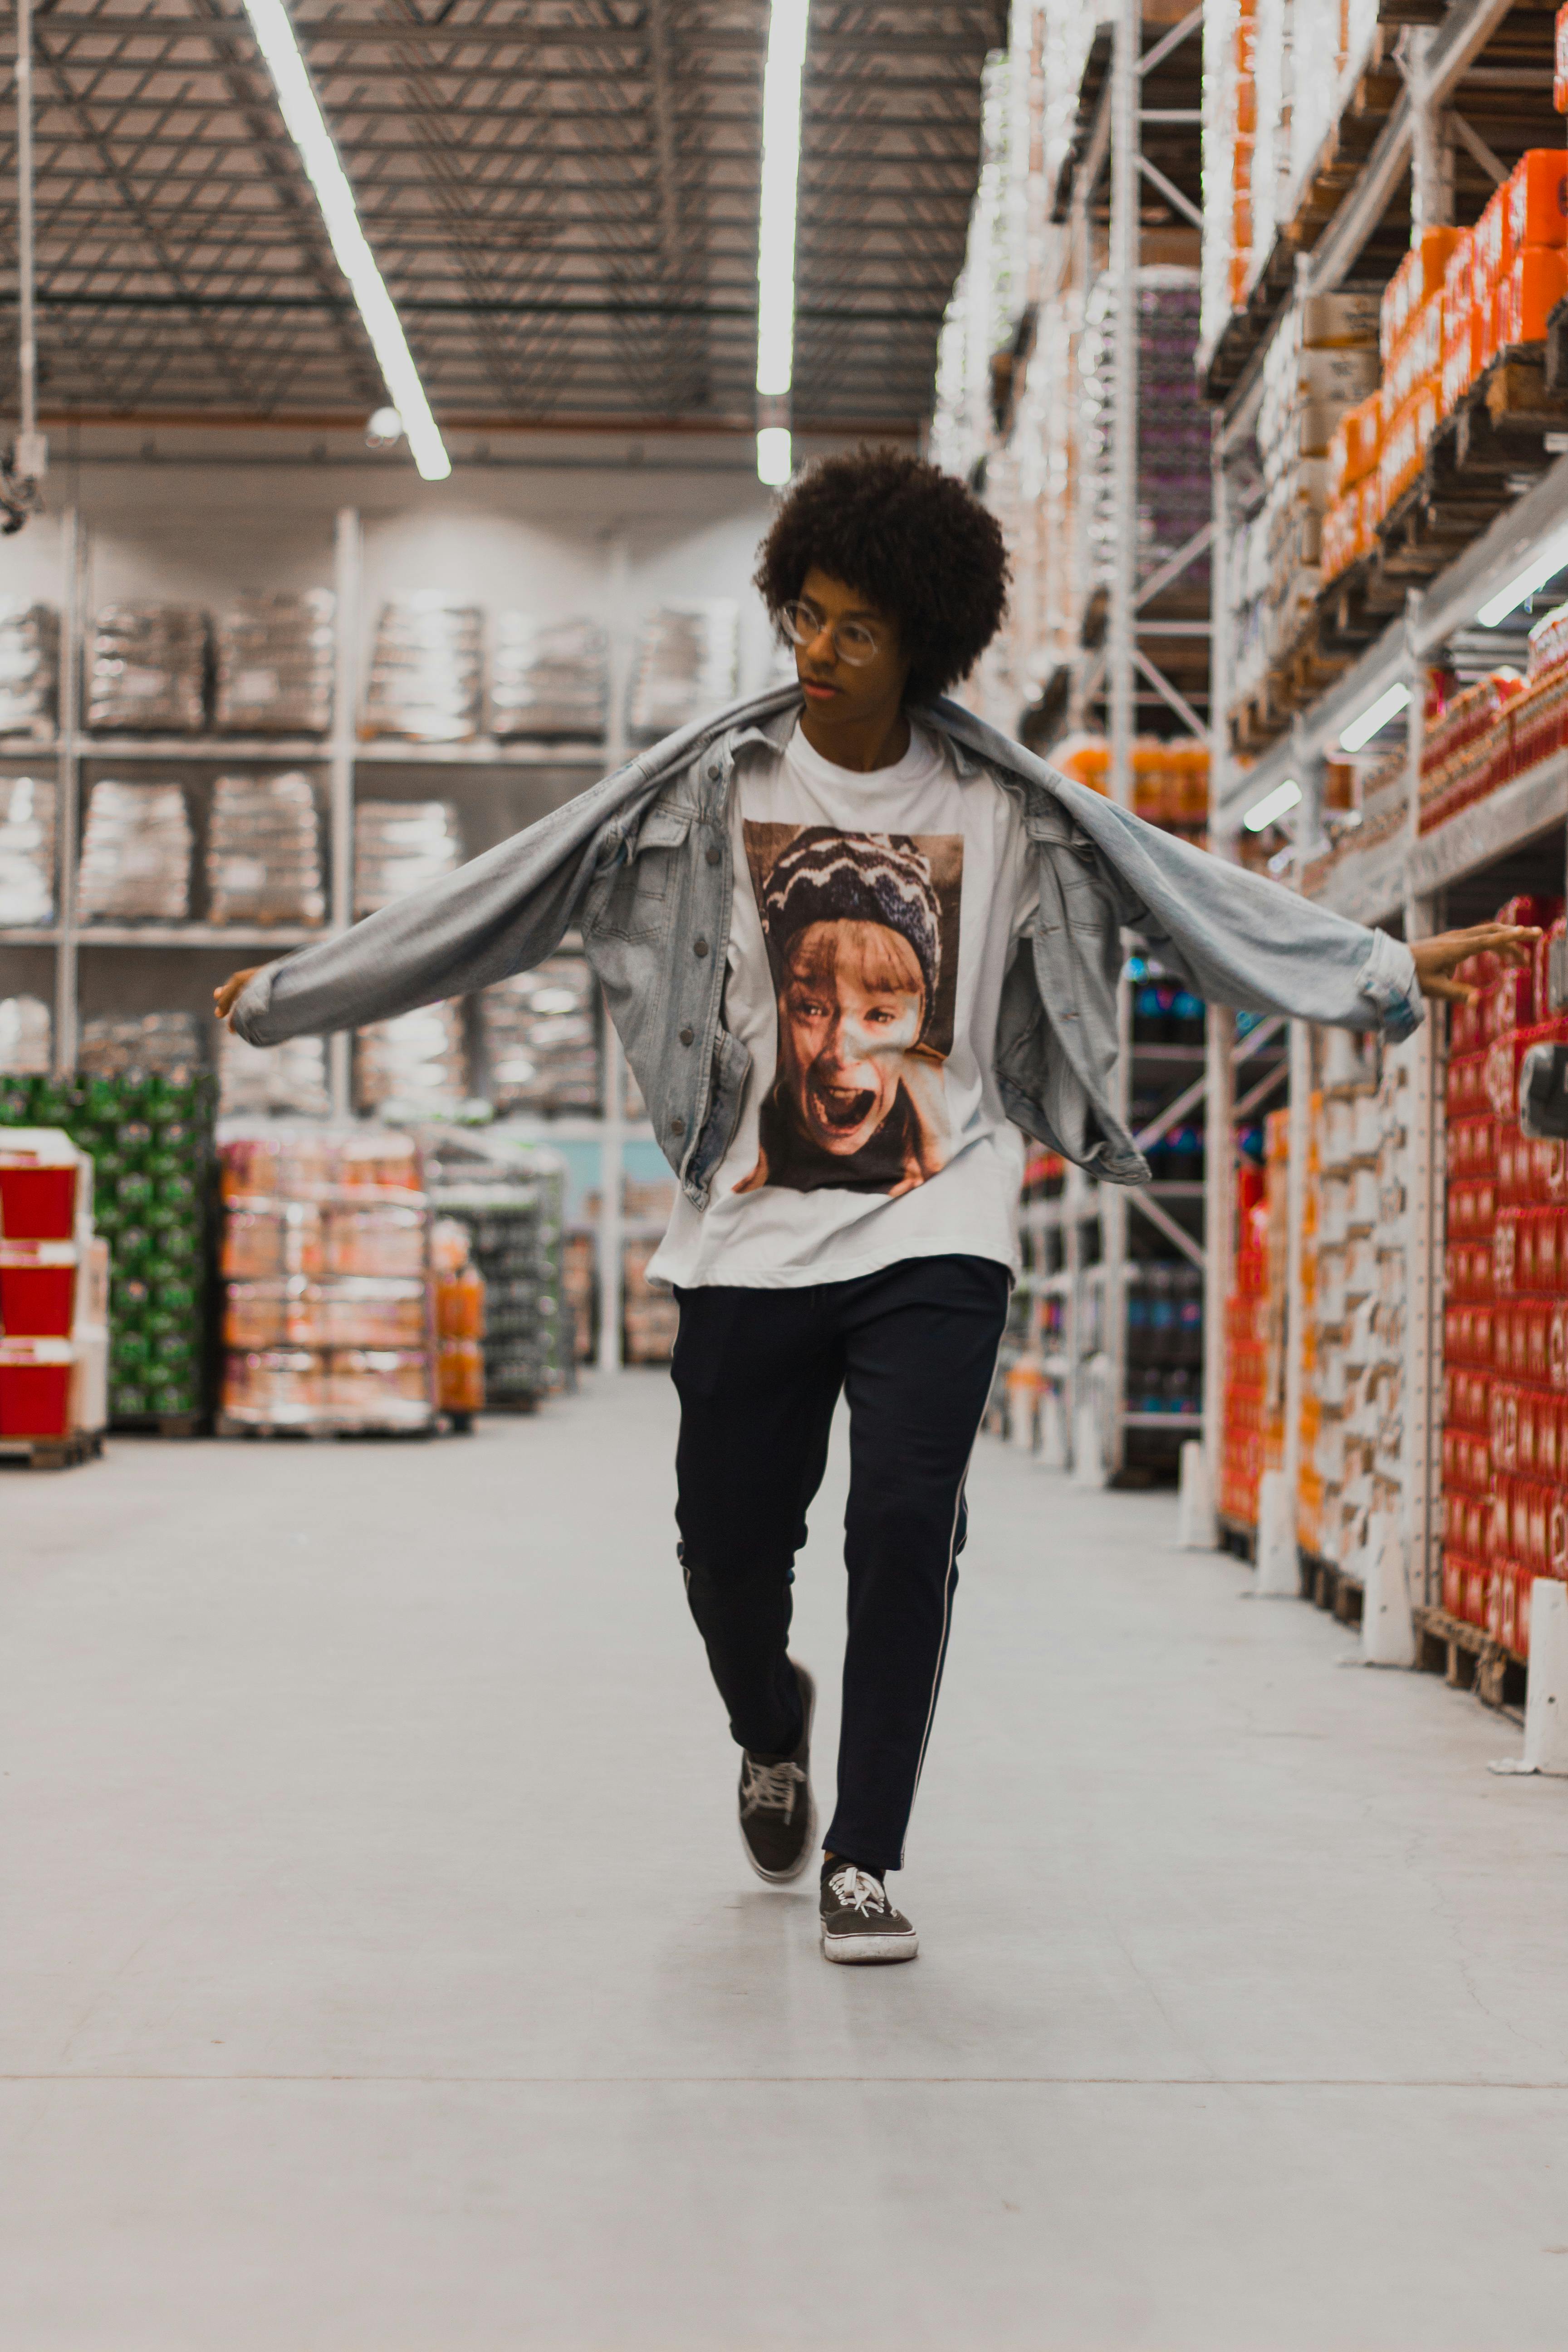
[307, 127]
[777, 238]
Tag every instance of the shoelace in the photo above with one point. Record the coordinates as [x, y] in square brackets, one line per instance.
[856, 1890]
[769, 1788]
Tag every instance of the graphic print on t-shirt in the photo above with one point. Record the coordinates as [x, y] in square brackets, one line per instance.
[862, 939]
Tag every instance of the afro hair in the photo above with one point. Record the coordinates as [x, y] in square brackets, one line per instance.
[914, 542]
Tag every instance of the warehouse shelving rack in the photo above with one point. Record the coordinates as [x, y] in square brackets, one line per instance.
[1417, 883]
[341, 759]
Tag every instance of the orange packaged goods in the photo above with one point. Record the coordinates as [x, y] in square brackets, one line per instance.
[1535, 284]
[328, 1293]
[1253, 1436]
[1463, 746]
[1087, 760]
[1354, 443]
[1538, 198]
[1505, 1326]
[1559, 63]
[1170, 785]
[1417, 279]
[459, 1320]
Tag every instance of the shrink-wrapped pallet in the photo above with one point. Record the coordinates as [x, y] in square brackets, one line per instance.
[26, 851]
[540, 1039]
[115, 1045]
[417, 1061]
[399, 845]
[147, 667]
[281, 1081]
[26, 1037]
[135, 855]
[274, 665]
[549, 680]
[426, 674]
[264, 851]
[686, 666]
[29, 667]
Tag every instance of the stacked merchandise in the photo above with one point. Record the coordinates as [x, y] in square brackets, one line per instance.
[264, 851]
[1310, 1487]
[147, 670]
[27, 852]
[650, 1317]
[1170, 780]
[1164, 1336]
[150, 1137]
[327, 1311]
[1384, 813]
[580, 1291]
[1505, 1325]
[399, 845]
[1482, 736]
[459, 1294]
[121, 1044]
[29, 667]
[261, 1081]
[1248, 1319]
[513, 1217]
[1175, 497]
[135, 855]
[1356, 1336]
[54, 1289]
[549, 680]
[26, 1037]
[685, 668]
[417, 1063]
[1322, 361]
[426, 674]
[274, 667]
[539, 1031]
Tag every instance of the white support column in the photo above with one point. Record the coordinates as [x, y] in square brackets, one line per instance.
[68, 785]
[1425, 1149]
[347, 566]
[1124, 209]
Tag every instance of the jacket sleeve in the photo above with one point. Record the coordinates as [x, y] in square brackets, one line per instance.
[1244, 940]
[495, 916]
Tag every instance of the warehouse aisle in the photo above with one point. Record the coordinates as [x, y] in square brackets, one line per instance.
[381, 1967]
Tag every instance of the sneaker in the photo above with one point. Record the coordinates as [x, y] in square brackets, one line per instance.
[778, 1814]
[859, 1919]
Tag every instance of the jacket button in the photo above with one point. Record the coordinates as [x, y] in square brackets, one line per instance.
[715, 856]
[686, 1035]
[677, 1126]
[700, 946]
[714, 772]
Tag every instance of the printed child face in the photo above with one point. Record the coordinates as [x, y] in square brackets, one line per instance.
[851, 1007]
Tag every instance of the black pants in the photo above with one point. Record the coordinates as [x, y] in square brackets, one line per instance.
[758, 1373]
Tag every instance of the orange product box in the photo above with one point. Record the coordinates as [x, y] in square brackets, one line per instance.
[1493, 246]
[1458, 372]
[1458, 281]
[1560, 62]
[1538, 198]
[1355, 442]
[1536, 284]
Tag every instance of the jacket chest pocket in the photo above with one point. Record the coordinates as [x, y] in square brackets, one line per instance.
[635, 900]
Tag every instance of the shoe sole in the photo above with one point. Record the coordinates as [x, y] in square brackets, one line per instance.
[870, 1950]
[808, 1844]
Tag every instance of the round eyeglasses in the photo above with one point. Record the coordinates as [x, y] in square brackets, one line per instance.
[853, 641]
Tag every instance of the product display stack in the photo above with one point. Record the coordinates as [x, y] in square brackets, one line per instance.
[148, 1134]
[287, 1081]
[54, 1280]
[1505, 1332]
[135, 855]
[513, 1211]
[264, 851]
[274, 660]
[549, 681]
[27, 852]
[686, 666]
[540, 1032]
[147, 670]
[1254, 1437]
[29, 668]
[460, 1323]
[26, 1037]
[415, 1066]
[328, 1306]
[426, 674]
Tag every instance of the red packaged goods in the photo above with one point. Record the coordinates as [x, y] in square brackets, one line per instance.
[38, 1289]
[44, 1185]
[36, 1382]
[1538, 199]
[1549, 640]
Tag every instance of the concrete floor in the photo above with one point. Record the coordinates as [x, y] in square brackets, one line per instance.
[380, 1969]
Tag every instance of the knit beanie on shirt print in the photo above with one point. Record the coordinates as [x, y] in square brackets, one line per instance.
[827, 877]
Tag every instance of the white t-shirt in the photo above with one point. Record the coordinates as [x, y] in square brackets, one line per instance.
[874, 920]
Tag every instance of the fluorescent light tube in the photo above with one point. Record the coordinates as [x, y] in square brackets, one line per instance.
[776, 462]
[1551, 558]
[307, 127]
[1376, 714]
[780, 172]
[1275, 804]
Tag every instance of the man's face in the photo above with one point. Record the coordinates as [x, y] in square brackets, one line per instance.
[851, 1007]
[837, 692]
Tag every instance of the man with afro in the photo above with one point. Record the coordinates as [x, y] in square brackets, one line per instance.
[854, 941]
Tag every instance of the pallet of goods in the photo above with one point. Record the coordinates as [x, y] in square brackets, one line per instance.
[54, 1300]
[1254, 1438]
[327, 1301]
[1505, 1323]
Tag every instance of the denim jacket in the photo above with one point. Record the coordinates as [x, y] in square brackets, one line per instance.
[641, 862]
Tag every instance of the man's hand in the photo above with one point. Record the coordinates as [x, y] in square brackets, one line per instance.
[223, 997]
[1435, 958]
